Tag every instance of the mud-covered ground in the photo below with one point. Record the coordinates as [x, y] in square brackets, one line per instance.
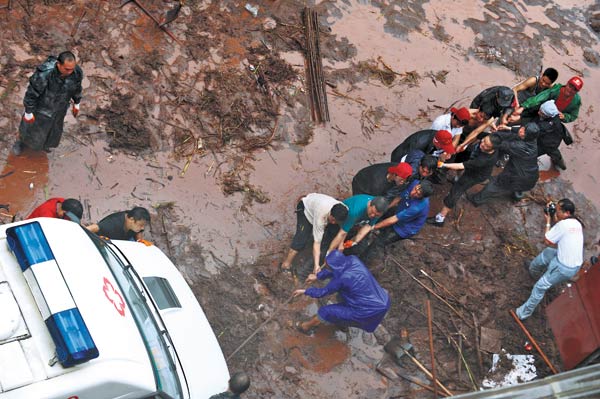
[212, 132]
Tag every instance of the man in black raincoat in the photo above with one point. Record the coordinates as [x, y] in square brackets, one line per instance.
[51, 88]
[429, 141]
[521, 172]
[496, 102]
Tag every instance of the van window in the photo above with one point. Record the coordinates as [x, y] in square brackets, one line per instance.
[161, 291]
[164, 369]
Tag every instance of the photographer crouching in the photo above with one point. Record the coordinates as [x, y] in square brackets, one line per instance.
[562, 258]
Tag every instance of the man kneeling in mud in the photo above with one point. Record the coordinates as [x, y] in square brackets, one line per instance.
[364, 303]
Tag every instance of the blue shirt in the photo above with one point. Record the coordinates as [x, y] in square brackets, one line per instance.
[411, 213]
[357, 211]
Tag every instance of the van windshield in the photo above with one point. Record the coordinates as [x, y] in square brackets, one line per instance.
[162, 363]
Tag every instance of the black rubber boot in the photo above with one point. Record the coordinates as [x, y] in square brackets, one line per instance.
[560, 163]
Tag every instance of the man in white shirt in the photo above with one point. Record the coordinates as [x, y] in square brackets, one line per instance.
[453, 122]
[313, 213]
[562, 258]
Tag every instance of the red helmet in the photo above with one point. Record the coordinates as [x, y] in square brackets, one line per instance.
[576, 82]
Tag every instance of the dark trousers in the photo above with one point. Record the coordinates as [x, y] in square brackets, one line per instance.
[552, 151]
[458, 189]
[329, 234]
[303, 229]
[386, 237]
[490, 191]
[331, 231]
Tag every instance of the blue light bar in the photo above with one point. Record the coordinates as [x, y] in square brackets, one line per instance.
[74, 343]
[29, 244]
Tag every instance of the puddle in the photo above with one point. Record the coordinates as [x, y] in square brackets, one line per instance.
[320, 352]
[25, 182]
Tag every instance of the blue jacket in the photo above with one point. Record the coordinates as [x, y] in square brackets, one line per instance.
[360, 292]
[411, 213]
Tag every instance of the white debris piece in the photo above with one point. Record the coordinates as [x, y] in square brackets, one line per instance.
[510, 370]
[252, 9]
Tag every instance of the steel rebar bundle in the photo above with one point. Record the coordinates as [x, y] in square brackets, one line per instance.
[314, 67]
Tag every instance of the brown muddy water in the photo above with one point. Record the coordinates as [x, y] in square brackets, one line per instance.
[478, 44]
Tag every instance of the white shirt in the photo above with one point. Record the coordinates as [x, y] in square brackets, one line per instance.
[443, 122]
[568, 237]
[316, 209]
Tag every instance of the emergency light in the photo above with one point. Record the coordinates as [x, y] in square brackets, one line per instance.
[74, 343]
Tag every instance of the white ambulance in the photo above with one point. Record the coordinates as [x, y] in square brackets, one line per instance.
[86, 318]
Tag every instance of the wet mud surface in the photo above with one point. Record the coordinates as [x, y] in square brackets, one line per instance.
[212, 133]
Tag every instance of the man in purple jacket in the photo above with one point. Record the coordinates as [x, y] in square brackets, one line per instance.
[364, 303]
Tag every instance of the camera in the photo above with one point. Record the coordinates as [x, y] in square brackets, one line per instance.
[550, 209]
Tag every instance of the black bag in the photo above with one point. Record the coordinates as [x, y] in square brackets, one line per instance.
[566, 135]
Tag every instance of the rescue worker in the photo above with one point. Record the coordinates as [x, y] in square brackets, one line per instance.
[362, 210]
[521, 171]
[566, 98]
[431, 142]
[125, 225]
[476, 170]
[313, 212]
[51, 88]
[563, 257]
[478, 123]
[495, 102]
[422, 165]
[364, 303]
[59, 208]
[381, 179]
[410, 216]
[551, 133]
[454, 122]
[534, 85]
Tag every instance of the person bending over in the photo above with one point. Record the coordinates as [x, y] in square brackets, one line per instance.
[364, 303]
[125, 225]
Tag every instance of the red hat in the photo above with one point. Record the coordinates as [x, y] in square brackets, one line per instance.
[403, 169]
[577, 82]
[443, 140]
[462, 114]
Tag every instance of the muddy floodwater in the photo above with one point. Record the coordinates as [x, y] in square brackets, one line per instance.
[190, 131]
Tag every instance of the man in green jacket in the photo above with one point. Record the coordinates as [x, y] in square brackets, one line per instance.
[566, 98]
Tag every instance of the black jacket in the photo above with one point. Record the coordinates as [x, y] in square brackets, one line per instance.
[48, 93]
[48, 98]
[372, 180]
[551, 132]
[487, 101]
[421, 140]
[521, 171]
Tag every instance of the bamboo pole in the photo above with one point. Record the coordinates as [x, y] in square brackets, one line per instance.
[430, 328]
[534, 342]
[424, 370]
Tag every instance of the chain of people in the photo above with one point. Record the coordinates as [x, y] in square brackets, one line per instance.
[504, 127]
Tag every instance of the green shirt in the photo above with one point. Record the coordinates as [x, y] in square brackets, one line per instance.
[570, 113]
[357, 211]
